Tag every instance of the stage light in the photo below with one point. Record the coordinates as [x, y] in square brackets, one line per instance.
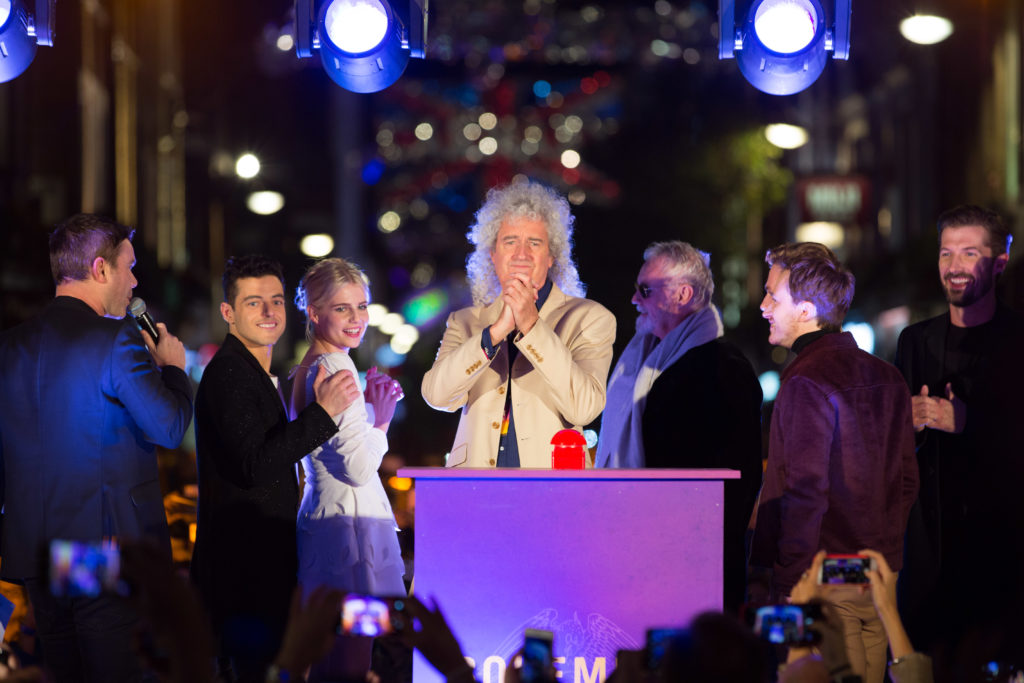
[926, 29]
[21, 30]
[782, 45]
[364, 45]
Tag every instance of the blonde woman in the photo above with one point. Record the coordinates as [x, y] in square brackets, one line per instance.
[346, 530]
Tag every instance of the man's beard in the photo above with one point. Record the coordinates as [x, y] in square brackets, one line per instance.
[644, 324]
[975, 290]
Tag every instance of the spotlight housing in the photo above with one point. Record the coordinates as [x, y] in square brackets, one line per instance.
[783, 44]
[24, 24]
[364, 45]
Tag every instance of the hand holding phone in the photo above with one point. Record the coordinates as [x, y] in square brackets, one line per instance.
[368, 615]
[787, 624]
[84, 569]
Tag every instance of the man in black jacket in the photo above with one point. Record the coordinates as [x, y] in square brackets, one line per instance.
[681, 396]
[965, 371]
[245, 559]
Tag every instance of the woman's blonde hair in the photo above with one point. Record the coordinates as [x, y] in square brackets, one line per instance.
[321, 280]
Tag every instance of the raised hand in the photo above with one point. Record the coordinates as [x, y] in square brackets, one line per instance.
[383, 393]
[168, 351]
[945, 414]
[520, 295]
[505, 323]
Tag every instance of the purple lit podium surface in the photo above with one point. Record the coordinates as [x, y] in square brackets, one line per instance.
[597, 556]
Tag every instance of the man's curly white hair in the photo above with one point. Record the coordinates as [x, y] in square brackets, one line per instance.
[521, 199]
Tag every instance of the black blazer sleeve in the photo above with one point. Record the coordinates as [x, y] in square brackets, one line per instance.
[242, 421]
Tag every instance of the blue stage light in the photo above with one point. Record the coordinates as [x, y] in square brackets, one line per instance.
[783, 44]
[21, 29]
[364, 45]
[356, 26]
[785, 26]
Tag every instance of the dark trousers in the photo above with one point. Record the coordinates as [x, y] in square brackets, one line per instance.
[85, 639]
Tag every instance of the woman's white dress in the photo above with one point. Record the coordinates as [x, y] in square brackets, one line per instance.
[346, 530]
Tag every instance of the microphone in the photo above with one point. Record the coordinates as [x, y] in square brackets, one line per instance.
[137, 308]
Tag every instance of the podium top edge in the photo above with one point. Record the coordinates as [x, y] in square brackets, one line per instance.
[595, 474]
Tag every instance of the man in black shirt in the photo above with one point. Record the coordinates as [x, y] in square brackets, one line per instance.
[963, 556]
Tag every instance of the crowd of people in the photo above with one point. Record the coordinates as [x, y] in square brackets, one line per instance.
[908, 464]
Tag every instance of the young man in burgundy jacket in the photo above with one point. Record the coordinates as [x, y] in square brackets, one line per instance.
[841, 473]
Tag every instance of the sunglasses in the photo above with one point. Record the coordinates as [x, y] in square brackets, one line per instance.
[644, 289]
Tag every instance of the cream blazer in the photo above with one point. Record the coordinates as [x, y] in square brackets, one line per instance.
[558, 378]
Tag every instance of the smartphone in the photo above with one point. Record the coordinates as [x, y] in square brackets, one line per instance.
[657, 644]
[370, 615]
[787, 624]
[84, 569]
[837, 569]
[538, 656]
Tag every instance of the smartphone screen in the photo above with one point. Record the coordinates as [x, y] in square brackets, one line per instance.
[838, 569]
[780, 624]
[365, 615]
[658, 642]
[537, 656]
[84, 569]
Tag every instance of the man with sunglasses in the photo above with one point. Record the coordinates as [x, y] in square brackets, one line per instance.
[681, 396]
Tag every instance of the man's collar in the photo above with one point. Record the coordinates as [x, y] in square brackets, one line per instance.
[803, 340]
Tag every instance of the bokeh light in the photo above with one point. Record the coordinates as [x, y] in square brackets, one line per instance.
[317, 245]
[265, 202]
[247, 166]
[926, 29]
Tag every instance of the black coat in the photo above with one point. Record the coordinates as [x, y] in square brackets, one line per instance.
[245, 560]
[705, 412]
[964, 544]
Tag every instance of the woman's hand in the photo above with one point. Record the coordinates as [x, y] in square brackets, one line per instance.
[383, 393]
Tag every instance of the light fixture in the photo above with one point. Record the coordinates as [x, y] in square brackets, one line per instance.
[364, 45]
[926, 29]
[21, 29]
[782, 45]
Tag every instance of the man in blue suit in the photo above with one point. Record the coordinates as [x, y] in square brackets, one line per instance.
[85, 398]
